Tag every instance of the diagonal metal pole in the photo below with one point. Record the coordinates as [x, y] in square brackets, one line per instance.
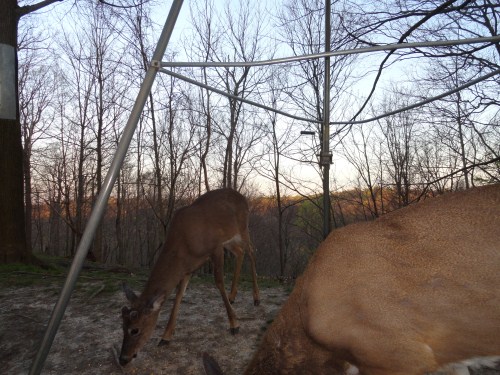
[107, 187]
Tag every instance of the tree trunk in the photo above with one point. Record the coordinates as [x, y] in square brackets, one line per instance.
[28, 195]
[12, 220]
[120, 256]
[56, 213]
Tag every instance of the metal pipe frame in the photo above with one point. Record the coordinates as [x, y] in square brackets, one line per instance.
[105, 192]
[223, 93]
[353, 51]
[385, 114]
[325, 158]
[422, 102]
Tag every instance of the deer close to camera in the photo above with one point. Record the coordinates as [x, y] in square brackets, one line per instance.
[216, 221]
[406, 294]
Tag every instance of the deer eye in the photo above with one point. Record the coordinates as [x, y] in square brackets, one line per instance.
[134, 332]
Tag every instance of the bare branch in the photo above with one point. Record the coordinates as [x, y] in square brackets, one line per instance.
[123, 6]
[461, 170]
[431, 14]
[22, 11]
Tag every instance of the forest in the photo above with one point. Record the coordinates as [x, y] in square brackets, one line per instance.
[81, 64]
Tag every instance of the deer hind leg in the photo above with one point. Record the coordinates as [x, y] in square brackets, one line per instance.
[256, 295]
[239, 254]
[169, 330]
[218, 261]
[251, 254]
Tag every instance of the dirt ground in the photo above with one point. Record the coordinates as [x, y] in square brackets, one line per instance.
[90, 334]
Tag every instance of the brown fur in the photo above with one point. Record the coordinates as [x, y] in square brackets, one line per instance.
[402, 295]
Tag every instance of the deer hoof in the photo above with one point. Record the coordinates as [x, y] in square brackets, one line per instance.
[163, 342]
[256, 302]
[234, 331]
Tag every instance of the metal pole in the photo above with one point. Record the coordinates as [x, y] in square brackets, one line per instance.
[350, 51]
[105, 192]
[325, 158]
[235, 97]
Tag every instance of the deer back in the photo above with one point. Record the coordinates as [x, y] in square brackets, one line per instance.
[404, 294]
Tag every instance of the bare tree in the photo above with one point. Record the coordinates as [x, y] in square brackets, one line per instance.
[36, 87]
[241, 41]
[360, 149]
[464, 121]
[461, 120]
[13, 246]
[207, 37]
[399, 143]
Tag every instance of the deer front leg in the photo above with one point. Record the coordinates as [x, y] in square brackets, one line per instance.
[169, 330]
[218, 261]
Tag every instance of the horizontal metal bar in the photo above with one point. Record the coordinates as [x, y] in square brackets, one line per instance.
[391, 113]
[421, 103]
[385, 47]
[223, 93]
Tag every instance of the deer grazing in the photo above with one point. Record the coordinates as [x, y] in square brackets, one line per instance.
[406, 294]
[216, 221]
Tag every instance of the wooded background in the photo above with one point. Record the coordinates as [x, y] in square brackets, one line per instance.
[81, 64]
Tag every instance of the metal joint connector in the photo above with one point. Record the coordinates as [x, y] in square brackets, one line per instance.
[156, 64]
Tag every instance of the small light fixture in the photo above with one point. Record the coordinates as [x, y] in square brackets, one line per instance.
[307, 132]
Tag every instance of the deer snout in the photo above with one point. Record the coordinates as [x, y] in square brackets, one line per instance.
[125, 359]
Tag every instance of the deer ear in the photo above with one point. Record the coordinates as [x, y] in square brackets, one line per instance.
[125, 311]
[129, 293]
[211, 366]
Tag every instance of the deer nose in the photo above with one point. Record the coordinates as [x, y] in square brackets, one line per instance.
[124, 360]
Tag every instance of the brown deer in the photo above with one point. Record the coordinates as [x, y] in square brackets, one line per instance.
[403, 295]
[216, 221]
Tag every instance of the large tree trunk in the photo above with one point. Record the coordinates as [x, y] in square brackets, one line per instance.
[12, 230]
[12, 221]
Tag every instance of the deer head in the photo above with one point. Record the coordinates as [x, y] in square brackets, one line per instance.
[139, 322]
